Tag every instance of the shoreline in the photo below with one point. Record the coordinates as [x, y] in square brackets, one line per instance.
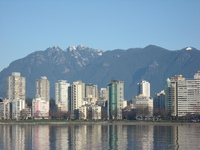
[98, 123]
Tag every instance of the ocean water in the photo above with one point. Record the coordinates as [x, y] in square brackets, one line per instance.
[99, 137]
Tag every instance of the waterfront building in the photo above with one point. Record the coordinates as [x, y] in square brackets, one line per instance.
[26, 113]
[40, 108]
[96, 112]
[115, 99]
[61, 95]
[17, 106]
[82, 112]
[77, 94]
[144, 105]
[62, 108]
[182, 95]
[144, 88]
[5, 112]
[43, 89]
[16, 87]
[159, 100]
[170, 97]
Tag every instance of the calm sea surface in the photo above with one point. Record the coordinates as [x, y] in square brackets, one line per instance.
[99, 137]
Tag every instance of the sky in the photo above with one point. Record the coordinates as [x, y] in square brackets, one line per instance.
[27, 26]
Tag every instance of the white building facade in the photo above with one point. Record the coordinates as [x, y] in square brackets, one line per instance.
[77, 90]
[144, 105]
[17, 106]
[144, 88]
[61, 94]
[182, 95]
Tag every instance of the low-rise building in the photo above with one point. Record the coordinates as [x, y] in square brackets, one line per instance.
[17, 106]
[40, 108]
[144, 105]
[26, 113]
[82, 112]
[62, 107]
[5, 112]
[96, 112]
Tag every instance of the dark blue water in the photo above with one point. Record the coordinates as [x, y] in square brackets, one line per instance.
[99, 137]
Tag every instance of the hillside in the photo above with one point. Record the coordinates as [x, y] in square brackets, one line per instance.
[152, 63]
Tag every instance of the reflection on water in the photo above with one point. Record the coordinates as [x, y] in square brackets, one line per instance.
[78, 137]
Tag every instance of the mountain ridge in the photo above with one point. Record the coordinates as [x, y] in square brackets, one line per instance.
[152, 63]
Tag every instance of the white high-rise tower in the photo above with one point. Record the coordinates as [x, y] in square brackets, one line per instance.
[61, 93]
[77, 95]
[144, 88]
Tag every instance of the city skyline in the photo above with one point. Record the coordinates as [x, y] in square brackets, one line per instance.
[143, 87]
[107, 25]
[81, 100]
[42, 88]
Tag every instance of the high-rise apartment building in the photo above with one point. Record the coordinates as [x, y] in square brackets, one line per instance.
[182, 95]
[91, 90]
[144, 88]
[61, 94]
[16, 87]
[43, 88]
[143, 103]
[77, 90]
[115, 99]
[91, 93]
[159, 100]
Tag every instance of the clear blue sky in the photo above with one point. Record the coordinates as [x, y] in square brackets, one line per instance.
[30, 25]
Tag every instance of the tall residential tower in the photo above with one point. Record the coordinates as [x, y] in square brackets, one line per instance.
[77, 90]
[182, 95]
[43, 88]
[144, 88]
[16, 87]
[115, 99]
[61, 94]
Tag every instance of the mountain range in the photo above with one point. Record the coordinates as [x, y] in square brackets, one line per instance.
[152, 63]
